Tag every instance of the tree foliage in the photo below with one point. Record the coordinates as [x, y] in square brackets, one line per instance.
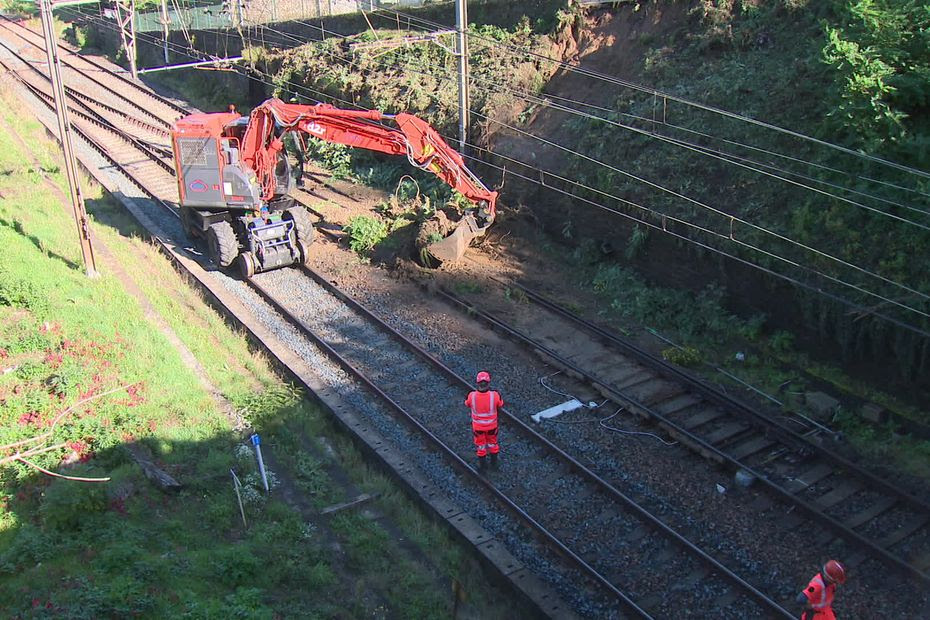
[882, 59]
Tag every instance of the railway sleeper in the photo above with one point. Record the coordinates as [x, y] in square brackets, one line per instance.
[843, 491]
[725, 432]
[701, 418]
[809, 478]
[686, 441]
[909, 527]
[752, 445]
[864, 516]
[676, 404]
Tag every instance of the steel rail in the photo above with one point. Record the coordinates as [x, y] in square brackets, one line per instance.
[457, 460]
[103, 123]
[641, 512]
[76, 103]
[71, 53]
[633, 403]
[718, 397]
[450, 452]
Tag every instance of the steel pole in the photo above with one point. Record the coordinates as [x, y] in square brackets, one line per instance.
[165, 23]
[133, 60]
[64, 135]
[461, 27]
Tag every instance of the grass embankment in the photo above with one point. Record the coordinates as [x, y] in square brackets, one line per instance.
[123, 548]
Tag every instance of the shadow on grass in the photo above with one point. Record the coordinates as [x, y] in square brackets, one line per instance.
[125, 548]
[17, 227]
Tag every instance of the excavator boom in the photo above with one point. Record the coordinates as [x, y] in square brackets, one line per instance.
[413, 137]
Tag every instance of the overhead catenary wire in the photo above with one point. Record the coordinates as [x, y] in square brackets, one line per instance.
[428, 24]
[731, 218]
[722, 156]
[709, 152]
[663, 122]
[807, 286]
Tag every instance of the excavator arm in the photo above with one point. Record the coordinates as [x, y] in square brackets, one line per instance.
[412, 137]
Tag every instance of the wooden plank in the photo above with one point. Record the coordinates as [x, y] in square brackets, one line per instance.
[679, 403]
[361, 499]
[910, 526]
[725, 432]
[839, 493]
[701, 418]
[153, 472]
[634, 378]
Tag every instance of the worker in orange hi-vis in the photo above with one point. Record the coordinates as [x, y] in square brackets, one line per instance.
[819, 593]
[484, 404]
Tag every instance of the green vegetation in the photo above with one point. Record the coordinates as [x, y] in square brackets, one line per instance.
[365, 233]
[122, 548]
[880, 50]
[706, 336]
[849, 72]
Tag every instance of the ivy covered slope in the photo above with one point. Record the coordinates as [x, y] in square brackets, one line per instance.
[854, 74]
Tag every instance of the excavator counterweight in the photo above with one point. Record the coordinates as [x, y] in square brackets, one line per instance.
[234, 178]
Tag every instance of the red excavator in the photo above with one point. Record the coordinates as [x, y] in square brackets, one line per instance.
[234, 178]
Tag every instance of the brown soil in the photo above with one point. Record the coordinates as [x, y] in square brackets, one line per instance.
[611, 42]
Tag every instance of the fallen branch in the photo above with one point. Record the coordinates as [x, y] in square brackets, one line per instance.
[61, 415]
[51, 473]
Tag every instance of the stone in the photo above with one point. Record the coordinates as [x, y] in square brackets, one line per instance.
[874, 413]
[823, 405]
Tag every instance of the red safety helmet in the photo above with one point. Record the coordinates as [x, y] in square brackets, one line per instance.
[834, 571]
[483, 376]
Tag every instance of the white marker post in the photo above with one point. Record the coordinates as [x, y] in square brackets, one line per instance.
[256, 441]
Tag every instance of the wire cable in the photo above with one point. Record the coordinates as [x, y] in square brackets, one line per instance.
[720, 213]
[668, 96]
[732, 219]
[541, 182]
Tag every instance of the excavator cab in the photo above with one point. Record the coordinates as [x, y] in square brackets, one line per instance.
[221, 200]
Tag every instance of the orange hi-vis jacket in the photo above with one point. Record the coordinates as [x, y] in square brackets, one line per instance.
[484, 406]
[820, 596]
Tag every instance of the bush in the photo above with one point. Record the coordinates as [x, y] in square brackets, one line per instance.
[236, 566]
[365, 233]
[19, 293]
[67, 503]
[686, 356]
[337, 158]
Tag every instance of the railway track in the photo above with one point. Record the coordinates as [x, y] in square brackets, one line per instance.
[878, 518]
[618, 543]
[619, 548]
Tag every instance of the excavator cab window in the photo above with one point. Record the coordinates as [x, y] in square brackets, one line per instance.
[230, 148]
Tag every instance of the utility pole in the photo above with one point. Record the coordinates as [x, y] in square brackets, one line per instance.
[64, 134]
[125, 17]
[461, 27]
[166, 23]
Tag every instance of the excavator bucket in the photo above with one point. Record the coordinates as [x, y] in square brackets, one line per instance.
[452, 248]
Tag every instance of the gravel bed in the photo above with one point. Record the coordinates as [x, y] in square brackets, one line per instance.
[521, 475]
[667, 476]
[319, 306]
[672, 479]
[567, 583]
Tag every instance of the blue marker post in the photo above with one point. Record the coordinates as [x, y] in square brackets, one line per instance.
[256, 441]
